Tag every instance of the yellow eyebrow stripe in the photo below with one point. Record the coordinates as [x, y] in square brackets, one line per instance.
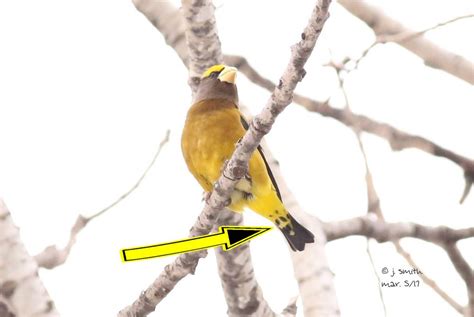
[210, 70]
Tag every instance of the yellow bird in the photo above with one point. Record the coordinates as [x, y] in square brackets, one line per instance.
[213, 127]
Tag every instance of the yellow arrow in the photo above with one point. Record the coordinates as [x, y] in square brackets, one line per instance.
[228, 237]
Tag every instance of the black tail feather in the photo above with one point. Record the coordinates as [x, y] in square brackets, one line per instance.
[298, 236]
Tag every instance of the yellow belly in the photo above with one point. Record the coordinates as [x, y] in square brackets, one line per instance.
[211, 132]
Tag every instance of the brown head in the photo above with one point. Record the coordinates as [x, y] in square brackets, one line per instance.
[218, 82]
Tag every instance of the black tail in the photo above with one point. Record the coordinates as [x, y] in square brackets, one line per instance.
[297, 236]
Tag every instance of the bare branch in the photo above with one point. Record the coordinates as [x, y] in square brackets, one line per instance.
[168, 20]
[374, 206]
[204, 46]
[464, 270]
[21, 289]
[427, 280]
[468, 181]
[384, 231]
[373, 203]
[237, 165]
[53, 256]
[404, 37]
[377, 276]
[243, 295]
[432, 54]
[139, 181]
[398, 139]
[291, 309]
[5, 308]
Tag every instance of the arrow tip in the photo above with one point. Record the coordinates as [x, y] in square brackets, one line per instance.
[239, 235]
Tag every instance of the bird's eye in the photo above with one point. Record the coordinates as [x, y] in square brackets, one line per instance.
[214, 74]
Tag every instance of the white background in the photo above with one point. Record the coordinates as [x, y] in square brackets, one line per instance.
[88, 89]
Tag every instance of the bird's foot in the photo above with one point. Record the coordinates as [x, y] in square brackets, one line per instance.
[247, 196]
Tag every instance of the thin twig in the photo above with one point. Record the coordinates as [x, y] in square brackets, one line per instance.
[139, 181]
[432, 54]
[377, 276]
[398, 38]
[372, 198]
[404, 37]
[465, 271]
[53, 256]
[374, 206]
[427, 280]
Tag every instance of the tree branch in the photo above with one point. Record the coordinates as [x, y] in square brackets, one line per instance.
[291, 309]
[398, 139]
[237, 165]
[168, 20]
[243, 295]
[464, 270]
[374, 207]
[385, 231]
[21, 290]
[204, 46]
[432, 54]
[403, 37]
[5, 308]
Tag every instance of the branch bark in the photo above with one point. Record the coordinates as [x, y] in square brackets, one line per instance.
[204, 46]
[21, 291]
[237, 165]
[383, 231]
[168, 20]
[432, 54]
[243, 295]
[465, 271]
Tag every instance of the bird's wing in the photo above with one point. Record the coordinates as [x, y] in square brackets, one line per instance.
[260, 150]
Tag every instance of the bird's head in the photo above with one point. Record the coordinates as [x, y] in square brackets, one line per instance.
[218, 82]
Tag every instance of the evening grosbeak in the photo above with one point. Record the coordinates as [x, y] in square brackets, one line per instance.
[214, 125]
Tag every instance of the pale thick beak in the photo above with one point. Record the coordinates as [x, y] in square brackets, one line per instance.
[228, 74]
